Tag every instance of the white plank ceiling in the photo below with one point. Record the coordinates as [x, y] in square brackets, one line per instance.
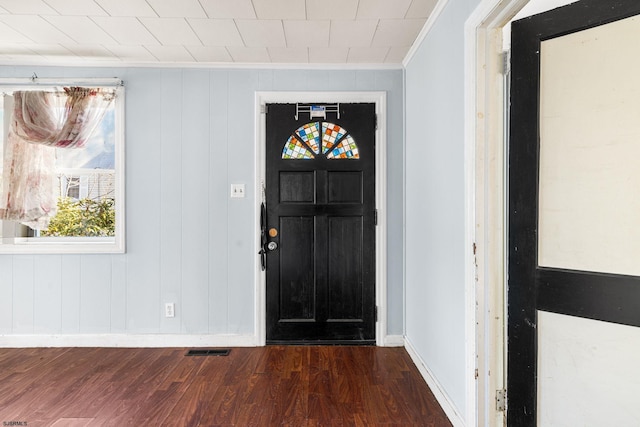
[209, 31]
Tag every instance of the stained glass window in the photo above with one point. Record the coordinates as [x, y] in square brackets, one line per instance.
[295, 149]
[330, 134]
[320, 139]
[345, 149]
[310, 134]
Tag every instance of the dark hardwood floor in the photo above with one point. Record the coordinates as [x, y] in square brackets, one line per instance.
[267, 386]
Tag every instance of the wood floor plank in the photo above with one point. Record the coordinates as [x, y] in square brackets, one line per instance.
[269, 386]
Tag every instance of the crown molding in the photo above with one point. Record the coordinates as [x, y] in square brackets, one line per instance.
[433, 18]
[200, 65]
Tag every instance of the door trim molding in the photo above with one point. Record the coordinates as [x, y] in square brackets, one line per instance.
[380, 99]
[486, 209]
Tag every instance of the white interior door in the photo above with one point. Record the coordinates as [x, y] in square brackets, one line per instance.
[574, 249]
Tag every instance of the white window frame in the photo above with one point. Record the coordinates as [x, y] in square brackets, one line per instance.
[78, 245]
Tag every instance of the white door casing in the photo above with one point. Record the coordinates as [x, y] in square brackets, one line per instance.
[380, 99]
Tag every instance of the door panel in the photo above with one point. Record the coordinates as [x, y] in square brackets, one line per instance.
[297, 187]
[589, 151]
[297, 278]
[320, 192]
[345, 187]
[578, 385]
[344, 266]
[573, 203]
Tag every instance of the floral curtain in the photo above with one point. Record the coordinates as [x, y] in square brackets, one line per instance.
[40, 123]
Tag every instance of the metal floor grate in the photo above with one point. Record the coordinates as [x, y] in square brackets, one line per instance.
[209, 352]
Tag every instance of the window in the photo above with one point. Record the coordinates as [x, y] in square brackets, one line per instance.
[62, 193]
[305, 142]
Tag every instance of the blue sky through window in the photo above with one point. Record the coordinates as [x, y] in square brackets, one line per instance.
[99, 153]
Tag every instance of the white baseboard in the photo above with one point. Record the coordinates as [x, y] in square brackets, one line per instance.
[127, 340]
[144, 340]
[438, 391]
[394, 341]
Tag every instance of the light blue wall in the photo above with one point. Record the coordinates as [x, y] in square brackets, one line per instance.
[189, 135]
[435, 204]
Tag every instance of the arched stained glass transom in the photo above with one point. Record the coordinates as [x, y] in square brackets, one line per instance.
[317, 139]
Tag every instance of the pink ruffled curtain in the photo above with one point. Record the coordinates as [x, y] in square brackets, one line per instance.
[39, 125]
[29, 183]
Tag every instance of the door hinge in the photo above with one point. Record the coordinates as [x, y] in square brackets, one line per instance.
[376, 121]
[264, 109]
[376, 313]
[375, 217]
[505, 62]
[501, 400]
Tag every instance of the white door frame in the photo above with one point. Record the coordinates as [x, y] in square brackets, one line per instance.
[380, 100]
[486, 188]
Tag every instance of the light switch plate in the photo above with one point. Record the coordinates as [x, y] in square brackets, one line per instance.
[237, 191]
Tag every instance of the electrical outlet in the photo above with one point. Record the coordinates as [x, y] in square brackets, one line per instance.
[169, 310]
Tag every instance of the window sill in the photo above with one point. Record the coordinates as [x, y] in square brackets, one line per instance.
[61, 245]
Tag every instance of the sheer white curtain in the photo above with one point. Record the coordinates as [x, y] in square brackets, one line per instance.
[42, 121]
